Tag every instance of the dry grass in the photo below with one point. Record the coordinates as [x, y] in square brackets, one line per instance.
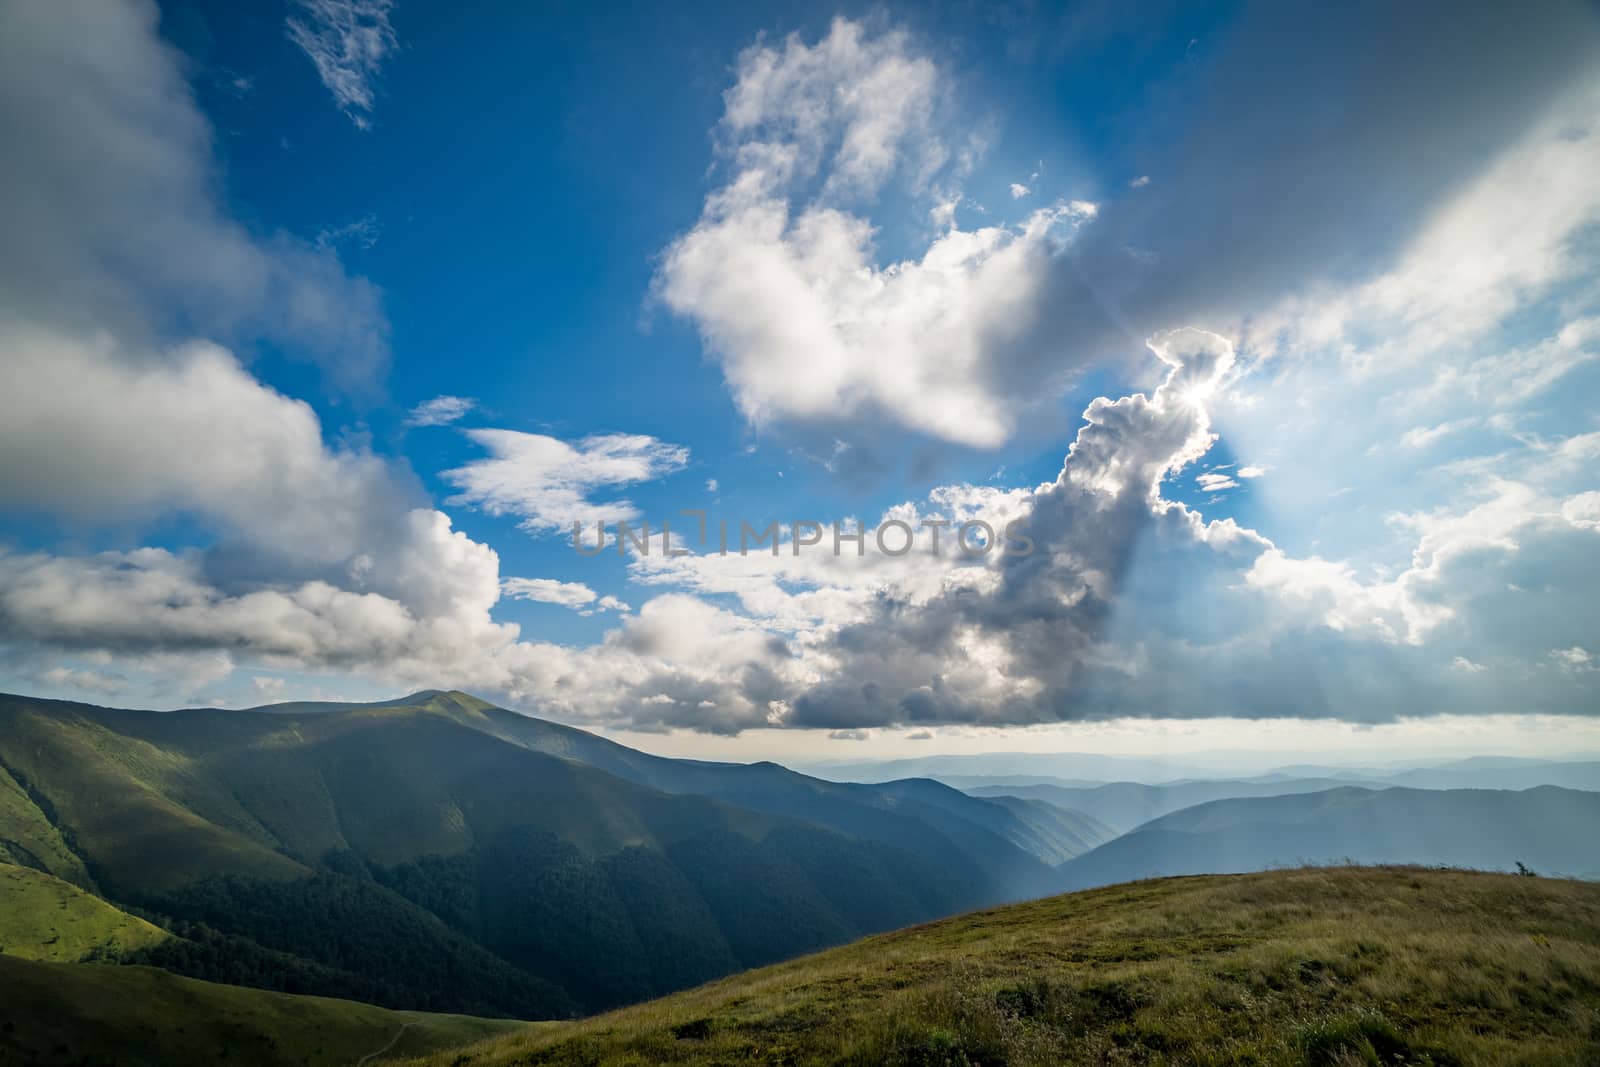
[1314, 966]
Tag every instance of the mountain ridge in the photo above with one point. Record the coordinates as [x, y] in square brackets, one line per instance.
[479, 839]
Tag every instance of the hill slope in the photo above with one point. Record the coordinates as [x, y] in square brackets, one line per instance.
[45, 918]
[1550, 829]
[431, 854]
[913, 814]
[1314, 966]
[1053, 833]
[260, 799]
[54, 1013]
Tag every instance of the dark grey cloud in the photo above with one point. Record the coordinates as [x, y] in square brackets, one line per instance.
[1052, 608]
[1134, 606]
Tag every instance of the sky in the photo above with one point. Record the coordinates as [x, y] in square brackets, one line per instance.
[1243, 357]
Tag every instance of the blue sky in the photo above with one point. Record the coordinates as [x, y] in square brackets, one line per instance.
[325, 318]
[517, 251]
[596, 125]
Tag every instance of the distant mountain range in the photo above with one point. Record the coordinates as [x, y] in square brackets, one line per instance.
[1549, 829]
[1082, 769]
[1125, 805]
[1083, 766]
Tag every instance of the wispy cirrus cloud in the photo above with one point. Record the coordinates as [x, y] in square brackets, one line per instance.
[362, 233]
[348, 41]
[440, 411]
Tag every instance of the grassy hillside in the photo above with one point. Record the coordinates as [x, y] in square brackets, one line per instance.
[923, 816]
[143, 813]
[44, 918]
[1312, 966]
[136, 1016]
[431, 855]
[29, 839]
[169, 798]
[163, 800]
[1014, 849]
[1549, 829]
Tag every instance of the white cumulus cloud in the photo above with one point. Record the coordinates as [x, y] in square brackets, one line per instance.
[781, 273]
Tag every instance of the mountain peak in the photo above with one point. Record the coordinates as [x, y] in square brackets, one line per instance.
[451, 697]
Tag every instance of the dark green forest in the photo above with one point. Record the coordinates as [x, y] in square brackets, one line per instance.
[441, 854]
[531, 927]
